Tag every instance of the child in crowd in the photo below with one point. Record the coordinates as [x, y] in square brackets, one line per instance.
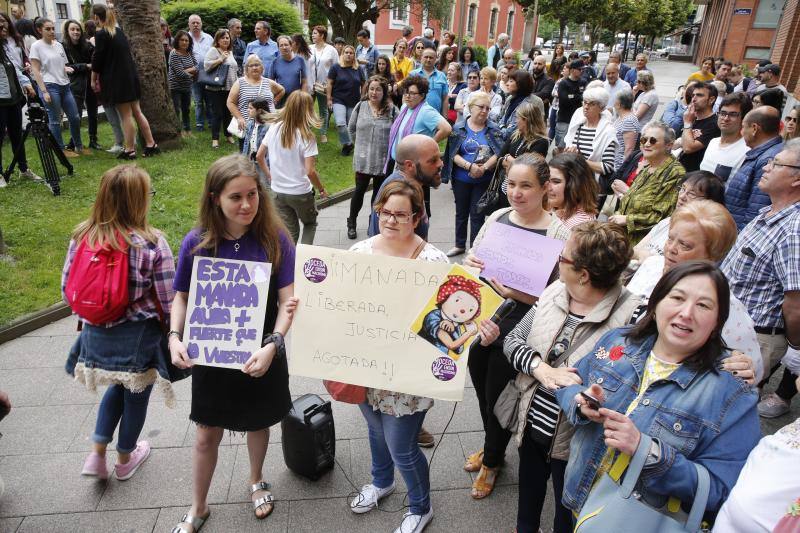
[258, 113]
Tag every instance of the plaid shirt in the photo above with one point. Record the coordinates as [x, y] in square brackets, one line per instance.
[765, 263]
[150, 266]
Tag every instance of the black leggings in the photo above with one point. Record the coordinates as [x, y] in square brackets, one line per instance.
[88, 102]
[534, 469]
[490, 372]
[11, 122]
[787, 388]
[220, 114]
[362, 182]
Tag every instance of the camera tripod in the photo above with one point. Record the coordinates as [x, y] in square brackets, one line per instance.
[46, 145]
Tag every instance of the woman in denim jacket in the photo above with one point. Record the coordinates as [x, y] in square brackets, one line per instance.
[470, 159]
[660, 378]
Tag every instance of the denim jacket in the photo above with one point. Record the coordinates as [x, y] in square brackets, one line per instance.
[493, 134]
[248, 133]
[703, 416]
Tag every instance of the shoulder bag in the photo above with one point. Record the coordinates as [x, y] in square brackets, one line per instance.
[489, 202]
[216, 77]
[613, 506]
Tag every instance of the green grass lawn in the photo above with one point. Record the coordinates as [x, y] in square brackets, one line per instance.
[36, 225]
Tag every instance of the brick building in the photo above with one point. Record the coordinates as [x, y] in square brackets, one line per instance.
[483, 20]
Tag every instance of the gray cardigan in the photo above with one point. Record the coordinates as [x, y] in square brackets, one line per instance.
[371, 136]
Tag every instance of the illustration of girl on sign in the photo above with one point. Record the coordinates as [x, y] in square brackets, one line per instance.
[452, 323]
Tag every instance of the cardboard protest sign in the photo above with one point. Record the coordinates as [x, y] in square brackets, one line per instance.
[225, 312]
[352, 323]
[517, 258]
[450, 318]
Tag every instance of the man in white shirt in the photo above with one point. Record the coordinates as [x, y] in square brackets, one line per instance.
[724, 154]
[614, 84]
[201, 44]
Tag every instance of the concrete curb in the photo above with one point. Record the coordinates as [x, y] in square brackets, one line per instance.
[41, 318]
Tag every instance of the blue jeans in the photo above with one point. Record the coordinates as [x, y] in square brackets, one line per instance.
[61, 99]
[467, 196]
[202, 105]
[393, 441]
[181, 100]
[341, 114]
[122, 407]
[324, 115]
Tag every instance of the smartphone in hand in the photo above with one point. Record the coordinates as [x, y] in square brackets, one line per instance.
[591, 401]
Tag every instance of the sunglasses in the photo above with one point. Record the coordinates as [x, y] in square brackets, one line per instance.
[790, 119]
[648, 140]
[562, 259]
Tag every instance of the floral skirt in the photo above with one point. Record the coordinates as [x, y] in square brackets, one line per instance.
[133, 354]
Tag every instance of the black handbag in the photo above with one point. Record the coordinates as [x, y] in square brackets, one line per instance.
[215, 77]
[490, 201]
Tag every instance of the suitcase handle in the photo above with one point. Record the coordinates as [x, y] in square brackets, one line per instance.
[309, 412]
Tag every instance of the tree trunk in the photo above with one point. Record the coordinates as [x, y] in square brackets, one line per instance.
[140, 20]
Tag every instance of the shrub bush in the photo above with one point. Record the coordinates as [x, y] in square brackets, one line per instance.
[481, 55]
[282, 17]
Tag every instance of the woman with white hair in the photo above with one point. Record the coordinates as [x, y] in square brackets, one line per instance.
[594, 135]
[645, 97]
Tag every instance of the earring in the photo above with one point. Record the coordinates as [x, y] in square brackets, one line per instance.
[581, 282]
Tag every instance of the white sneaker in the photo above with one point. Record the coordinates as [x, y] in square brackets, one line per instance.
[415, 523]
[29, 174]
[115, 149]
[3, 182]
[369, 497]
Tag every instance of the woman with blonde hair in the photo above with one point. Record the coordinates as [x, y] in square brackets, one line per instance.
[114, 77]
[345, 83]
[790, 130]
[488, 79]
[529, 137]
[124, 352]
[292, 148]
[237, 221]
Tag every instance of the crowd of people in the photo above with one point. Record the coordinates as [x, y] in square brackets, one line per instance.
[674, 300]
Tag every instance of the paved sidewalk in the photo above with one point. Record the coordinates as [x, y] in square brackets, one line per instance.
[46, 438]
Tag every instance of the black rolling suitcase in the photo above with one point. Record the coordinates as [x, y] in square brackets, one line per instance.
[308, 437]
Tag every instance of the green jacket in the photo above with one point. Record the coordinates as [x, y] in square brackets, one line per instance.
[651, 198]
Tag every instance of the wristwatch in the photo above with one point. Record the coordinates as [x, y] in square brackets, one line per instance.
[654, 454]
[536, 360]
[175, 334]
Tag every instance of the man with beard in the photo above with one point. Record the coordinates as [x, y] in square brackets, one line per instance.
[417, 159]
[699, 126]
[542, 83]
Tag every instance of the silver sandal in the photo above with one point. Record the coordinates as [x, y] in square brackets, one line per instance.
[264, 500]
[195, 521]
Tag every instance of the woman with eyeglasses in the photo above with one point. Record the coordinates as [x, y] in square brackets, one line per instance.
[790, 130]
[594, 135]
[470, 158]
[394, 419]
[488, 80]
[460, 105]
[649, 193]
[488, 367]
[416, 53]
[249, 87]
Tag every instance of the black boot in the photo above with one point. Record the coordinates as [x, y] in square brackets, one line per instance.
[93, 143]
[351, 228]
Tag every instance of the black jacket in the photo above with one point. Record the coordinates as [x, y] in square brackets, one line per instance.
[79, 59]
[543, 88]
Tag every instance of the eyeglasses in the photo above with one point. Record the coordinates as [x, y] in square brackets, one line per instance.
[409, 93]
[772, 163]
[648, 140]
[472, 77]
[152, 192]
[400, 218]
[562, 259]
[730, 114]
[690, 194]
[482, 107]
[790, 119]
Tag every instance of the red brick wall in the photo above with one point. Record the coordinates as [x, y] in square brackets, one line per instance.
[728, 35]
[787, 46]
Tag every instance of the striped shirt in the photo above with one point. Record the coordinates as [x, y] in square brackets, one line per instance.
[151, 269]
[248, 93]
[624, 125]
[543, 412]
[179, 79]
[584, 141]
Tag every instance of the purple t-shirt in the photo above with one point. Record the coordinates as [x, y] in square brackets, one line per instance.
[249, 250]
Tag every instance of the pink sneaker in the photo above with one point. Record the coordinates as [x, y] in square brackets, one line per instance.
[95, 465]
[138, 456]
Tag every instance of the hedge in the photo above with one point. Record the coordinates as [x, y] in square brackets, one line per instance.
[282, 17]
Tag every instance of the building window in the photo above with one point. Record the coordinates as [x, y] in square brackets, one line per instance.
[399, 16]
[471, 16]
[510, 24]
[61, 11]
[493, 23]
[768, 13]
[751, 52]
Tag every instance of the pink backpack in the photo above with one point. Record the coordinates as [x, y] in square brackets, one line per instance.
[97, 285]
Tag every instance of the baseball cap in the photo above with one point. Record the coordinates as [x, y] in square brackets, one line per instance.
[764, 63]
[577, 64]
[772, 68]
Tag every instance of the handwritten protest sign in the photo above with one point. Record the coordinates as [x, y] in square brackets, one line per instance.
[450, 318]
[225, 312]
[352, 322]
[517, 258]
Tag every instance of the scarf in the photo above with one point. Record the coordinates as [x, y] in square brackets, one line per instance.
[406, 131]
[512, 107]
